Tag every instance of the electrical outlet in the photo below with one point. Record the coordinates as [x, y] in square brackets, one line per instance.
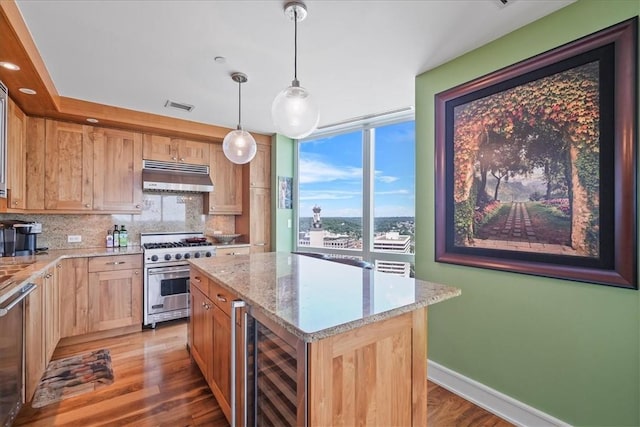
[288, 223]
[74, 238]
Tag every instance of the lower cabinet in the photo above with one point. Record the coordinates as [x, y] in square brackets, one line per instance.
[115, 292]
[35, 360]
[74, 296]
[51, 289]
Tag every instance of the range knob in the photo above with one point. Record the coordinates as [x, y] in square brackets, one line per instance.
[197, 255]
[187, 256]
[167, 257]
[178, 256]
[208, 254]
[154, 258]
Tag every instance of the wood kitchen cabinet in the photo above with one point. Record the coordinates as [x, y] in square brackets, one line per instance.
[226, 176]
[34, 336]
[117, 170]
[73, 288]
[35, 162]
[255, 221]
[51, 310]
[115, 292]
[68, 167]
[16, 157]
[234, 250]
[210, 336]
[167, 149]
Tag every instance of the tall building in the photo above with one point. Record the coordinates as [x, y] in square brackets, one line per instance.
[393, 242]
[318, 237]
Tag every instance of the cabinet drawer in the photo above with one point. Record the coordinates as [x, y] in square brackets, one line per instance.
[114, 262]
[240, 250]
[221, 297]
[199, 280]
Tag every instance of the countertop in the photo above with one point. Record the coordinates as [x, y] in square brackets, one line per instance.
[314, 298]
[15, 271]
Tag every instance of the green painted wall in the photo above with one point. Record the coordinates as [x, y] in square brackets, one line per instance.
[569, 349]
[281, 165]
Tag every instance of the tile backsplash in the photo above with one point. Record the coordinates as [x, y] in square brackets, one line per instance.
[160, 212]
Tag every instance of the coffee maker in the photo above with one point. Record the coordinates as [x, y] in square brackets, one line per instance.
[18, 237]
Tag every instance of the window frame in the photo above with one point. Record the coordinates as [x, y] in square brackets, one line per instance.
[368, 127]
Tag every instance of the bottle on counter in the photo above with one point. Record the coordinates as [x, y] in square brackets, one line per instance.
[116, 237]
[109, 239]
[124, 237]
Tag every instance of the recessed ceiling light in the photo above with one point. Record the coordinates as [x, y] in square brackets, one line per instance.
[92, 120]
[27, 91]
[220, 59]
[9, 66]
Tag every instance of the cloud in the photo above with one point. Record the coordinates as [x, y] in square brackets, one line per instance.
[329, 195]
[318, 171]
[387, 179]
[384, 193]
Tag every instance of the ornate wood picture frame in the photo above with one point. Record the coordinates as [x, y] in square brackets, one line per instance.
[536, 164]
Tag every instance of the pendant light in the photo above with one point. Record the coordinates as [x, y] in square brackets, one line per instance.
[294, 113]
[238, 145]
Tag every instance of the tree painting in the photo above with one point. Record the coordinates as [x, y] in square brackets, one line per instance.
[526, 166]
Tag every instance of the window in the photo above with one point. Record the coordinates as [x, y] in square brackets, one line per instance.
[356, 193]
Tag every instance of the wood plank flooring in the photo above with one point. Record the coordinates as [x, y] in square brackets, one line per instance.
[157, 384]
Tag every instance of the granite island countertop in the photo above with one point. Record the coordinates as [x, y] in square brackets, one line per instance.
[314, 298]
[18, 270]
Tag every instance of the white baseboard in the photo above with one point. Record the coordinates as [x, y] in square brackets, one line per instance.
[500, 404]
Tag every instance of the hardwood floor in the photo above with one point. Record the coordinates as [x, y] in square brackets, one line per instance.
[157, 384]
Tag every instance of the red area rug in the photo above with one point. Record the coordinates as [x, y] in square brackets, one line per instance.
[65, 378]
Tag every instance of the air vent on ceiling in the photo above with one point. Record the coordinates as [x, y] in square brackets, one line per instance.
[178, 105]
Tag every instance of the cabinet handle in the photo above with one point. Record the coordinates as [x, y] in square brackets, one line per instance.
[137, 273]
[47, 276]
[15, 203]
[87, 205]
[231, 253]
[221, 298]
[59, 265]
[259, 244]
[235, 305]
[137, 206]
[182, 159]
[173, 158]
[115, 263]
[197, 279]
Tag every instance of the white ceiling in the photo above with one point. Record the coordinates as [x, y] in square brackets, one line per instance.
[355, 57]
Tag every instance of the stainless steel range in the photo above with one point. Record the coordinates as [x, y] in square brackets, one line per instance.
[166, 273]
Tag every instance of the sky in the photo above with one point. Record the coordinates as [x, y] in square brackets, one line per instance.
[330, 173]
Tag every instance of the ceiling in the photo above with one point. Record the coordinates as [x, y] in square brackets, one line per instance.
[356, 57]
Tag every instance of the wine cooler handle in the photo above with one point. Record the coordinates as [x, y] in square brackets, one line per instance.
[234, 306]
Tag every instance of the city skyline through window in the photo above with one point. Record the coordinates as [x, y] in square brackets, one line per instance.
[360, 187]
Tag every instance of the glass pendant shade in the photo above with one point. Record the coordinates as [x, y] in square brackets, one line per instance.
[294, 112]
[239, 146]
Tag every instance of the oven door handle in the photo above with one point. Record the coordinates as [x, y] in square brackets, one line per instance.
[162, 270]
[24, 292]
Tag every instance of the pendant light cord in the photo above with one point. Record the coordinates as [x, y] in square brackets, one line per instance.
[295, 44]
[239, 106]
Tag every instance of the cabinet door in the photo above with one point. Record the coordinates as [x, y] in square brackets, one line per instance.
[16, 158]
[51, 311]
[260, 167]
[193, 152]
[260, 219]
[160, 148]
[117, 170]
[226, 197]
[202, 331]
[73, 296]
[68, 167]
[35, 361]
[115, 299]
[220, 371]
[35, 147]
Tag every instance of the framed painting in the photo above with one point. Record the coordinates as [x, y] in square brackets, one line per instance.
[536, 164]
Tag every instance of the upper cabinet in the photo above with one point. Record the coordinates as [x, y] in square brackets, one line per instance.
[226, 197]
[260, 167]
[82, 168]
[168, 149]
[16, 170]
[68, 170]
[117, 170]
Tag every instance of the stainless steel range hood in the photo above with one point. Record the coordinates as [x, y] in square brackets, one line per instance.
[170, 176]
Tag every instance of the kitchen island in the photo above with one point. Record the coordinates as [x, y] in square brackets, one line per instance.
[328, 343]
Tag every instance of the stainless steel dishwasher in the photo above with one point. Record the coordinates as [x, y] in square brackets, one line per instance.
[11, 353]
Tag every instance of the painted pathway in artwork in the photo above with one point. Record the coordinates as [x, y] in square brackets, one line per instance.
[518, 234]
